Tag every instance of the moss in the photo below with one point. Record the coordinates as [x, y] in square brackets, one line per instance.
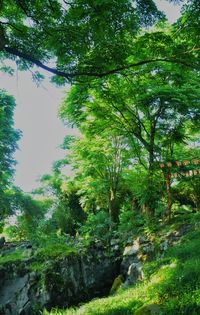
[53, 251]
[17, 255]
[151, 309]
[116, 284]
[36, 266]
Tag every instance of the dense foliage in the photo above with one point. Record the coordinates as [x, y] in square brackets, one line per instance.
[135, 100]
[93, 38]
[8, 145]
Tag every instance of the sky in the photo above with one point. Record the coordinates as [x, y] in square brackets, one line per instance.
[36, 115]
[172, 11]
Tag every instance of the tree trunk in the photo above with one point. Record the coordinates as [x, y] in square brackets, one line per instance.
[113, 206]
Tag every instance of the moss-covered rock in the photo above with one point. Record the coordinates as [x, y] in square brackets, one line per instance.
[151, 309]
[51, 280]
[116, 284]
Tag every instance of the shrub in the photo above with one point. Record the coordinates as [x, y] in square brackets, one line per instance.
[98, 226]
[129, 220]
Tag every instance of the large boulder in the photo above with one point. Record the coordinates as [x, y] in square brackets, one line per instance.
[134, 274]
[130, 255]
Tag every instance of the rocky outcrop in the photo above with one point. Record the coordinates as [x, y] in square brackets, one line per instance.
[140, 249]
[134, 254]
[63, 282]
[13, 288]
[79, 276]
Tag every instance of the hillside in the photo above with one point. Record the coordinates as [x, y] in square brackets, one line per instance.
[172, 280]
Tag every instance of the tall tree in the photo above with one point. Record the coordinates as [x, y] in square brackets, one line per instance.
[99, 163]
[8, 145]
[150, 109]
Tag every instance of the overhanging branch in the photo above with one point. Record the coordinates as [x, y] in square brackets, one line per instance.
[29, 58]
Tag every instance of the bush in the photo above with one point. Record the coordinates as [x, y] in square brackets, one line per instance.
[98, 226]
[129, 220]
[148, 190]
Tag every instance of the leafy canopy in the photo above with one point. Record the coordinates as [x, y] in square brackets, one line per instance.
[90, 38]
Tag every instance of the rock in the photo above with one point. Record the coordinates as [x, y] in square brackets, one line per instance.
[115, 241]
[116, 284]
[184, 229]
[116, 248]
[29, 245]
[142, 239]
[59, 283]
[164, 245]
[175, 236]
[151, 309]
[26, 310]
[148, 248]
[27, 253]
[2, 241]
[134, 274]
[131, 250]
[129, 241]
[130, 256]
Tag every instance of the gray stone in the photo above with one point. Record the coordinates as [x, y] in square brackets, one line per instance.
[134, 274]
[130, 255]
[131, 250]
[142, 239]
[148, 248]
[164, 245]
[114, 242]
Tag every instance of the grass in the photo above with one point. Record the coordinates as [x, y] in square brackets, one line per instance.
[12, 257]
[52, 251]
[172, 282]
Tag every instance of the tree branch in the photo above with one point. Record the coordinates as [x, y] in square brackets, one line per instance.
[11, 25]
[14, 51]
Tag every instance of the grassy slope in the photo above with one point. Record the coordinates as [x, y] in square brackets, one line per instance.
[173, 282]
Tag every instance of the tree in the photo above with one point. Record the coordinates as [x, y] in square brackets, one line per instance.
[67, 213]
[81, 37]
[30, 212]
[99, 163]
[150, 109]
[8, 144]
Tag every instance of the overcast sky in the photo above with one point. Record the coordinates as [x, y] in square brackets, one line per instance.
[36, 117]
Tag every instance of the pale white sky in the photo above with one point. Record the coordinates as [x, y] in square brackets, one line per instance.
[36, 117]
[172, 11]
[43, 132]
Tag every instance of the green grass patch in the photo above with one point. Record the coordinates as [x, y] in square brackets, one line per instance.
[12, 257]
[53, 251]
